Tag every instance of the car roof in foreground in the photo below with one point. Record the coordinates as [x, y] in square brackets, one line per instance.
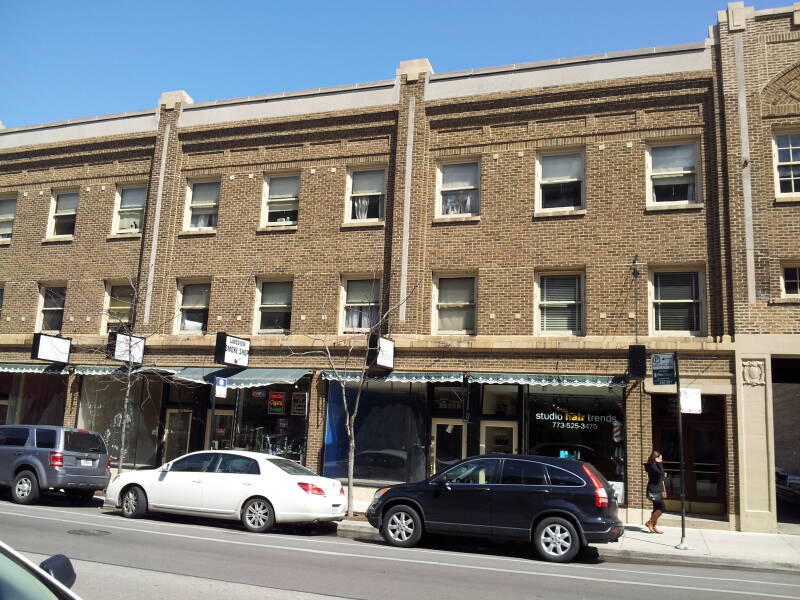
[248, 453]
[554, 460]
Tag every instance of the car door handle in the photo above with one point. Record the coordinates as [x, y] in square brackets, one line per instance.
[541, 491]
[245, 483]
[485, 489]
[197, 480]
[18, 452]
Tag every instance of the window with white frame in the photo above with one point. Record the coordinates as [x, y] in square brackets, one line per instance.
[282, 201]
[52, 303]
[677, 302]
[2, 296]
[8, 209]
[560, 181]
[275, 306]
[361, 304]
[65, 208]
[203, 205]
[787, 155]
[367, 191]
[194, 307]
[561, 304]
[455, 305]
[130, 209]
[673, 174]
[120, 307]
[459, 189]
[791, 281]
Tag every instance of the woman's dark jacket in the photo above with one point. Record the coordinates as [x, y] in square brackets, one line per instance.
[655, 475]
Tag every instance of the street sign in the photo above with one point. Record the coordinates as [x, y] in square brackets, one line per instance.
[220, 387]
[663, 369]
[691, 401]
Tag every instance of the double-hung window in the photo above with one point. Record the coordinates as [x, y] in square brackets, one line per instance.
[2, 294]
[131, 209]
[65, 208]
[561, 304]
[203, 205]
[673, 175]
[194, 307]
[275, 307]
[677, 302]
[787, 155]
[361, 304]
[459, 189]
[282, 201]
[8, 209]
[52, 303]
[120, 307]
[791, 281]
[367, 192]
[455, 305]
[560, 181]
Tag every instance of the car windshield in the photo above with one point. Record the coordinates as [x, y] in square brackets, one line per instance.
[83, 441]
[17, 582]
[291, 467]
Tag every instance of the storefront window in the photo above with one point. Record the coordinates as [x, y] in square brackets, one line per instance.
[273, 420]
[390, 432]
[101, 410]
[581, 425]
[43, 400]
[500, 400]
[6, 380]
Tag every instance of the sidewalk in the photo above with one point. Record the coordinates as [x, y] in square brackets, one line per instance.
[710, 547]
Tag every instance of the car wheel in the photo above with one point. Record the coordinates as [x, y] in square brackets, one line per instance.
[25, 489]
[257, 515]
[134, 502]
[80, 497]
[556, 540]
[402, 526]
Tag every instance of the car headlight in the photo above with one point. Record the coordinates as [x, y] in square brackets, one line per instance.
[380, 492]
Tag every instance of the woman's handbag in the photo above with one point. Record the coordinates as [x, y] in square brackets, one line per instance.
[655, 497]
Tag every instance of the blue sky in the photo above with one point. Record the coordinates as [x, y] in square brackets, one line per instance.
[80, 58]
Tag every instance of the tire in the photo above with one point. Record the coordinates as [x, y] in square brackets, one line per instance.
[25, 489]
[402, 526]
[80, 497]
[556, 540]
[258, 515]
[134, 503]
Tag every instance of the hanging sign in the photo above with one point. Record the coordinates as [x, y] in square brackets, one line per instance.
[663, 369]
[298, 404]
[220, 387]
[231, 350]
[691, 401]
[276, 403]
[380, 353]
[127, 348]
[50, 348]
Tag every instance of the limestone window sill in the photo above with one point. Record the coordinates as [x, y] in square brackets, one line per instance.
[788, 300]
[671, 207]
[124, 236]
[272, 228]
[565, 212]
[364, 225]
[787, 199]
[58, 240]
[197, 233]
[5, 242]
[452, 220]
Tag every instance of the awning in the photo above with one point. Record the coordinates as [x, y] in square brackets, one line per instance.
[600, 381]
[400, 376]
[238, 378]
[159, 370]
[47, 368]
[100, 370]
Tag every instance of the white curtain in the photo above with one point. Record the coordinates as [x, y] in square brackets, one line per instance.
[360, 207]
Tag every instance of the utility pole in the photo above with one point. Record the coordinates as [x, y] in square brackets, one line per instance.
[682, 545]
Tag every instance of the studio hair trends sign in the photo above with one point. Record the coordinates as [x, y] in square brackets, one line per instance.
[232, 351]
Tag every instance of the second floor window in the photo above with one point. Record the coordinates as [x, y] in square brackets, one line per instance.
[455, 305]
[120, 307]
[276, 306]
[53, 299]
[367, 190]
[8, 209]
[203, 205]
[560, 304]
[673, 174]
[131, 209]
[791, 281]
[2, 294]
[787, 148]
[194, 307]
[561, 181]
[283, 202]
[459, 189]
[676, 302]
[361, 303]
[64, 212]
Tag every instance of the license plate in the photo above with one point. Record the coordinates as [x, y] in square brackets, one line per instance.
[86, 462]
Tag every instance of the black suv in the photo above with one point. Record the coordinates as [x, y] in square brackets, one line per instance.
[558, 503]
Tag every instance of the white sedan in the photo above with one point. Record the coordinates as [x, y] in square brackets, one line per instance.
[258, 489]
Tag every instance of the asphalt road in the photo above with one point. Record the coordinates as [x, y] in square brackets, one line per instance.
[177, 557]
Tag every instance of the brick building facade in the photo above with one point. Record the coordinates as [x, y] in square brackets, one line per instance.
[521, 225]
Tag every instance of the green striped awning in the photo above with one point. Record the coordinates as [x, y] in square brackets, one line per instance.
[47, 368]
[159, 370]
[600, 381]
[400, 376]
[238, 378]
[100, 370]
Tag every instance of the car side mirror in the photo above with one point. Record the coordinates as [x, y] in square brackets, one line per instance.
[165, 467]
[59, 568]
[441, 480]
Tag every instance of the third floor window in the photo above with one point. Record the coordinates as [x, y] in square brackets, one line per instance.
[459, 189]
[62, 220]
[8, 209]
[203, 205]
[130, 210]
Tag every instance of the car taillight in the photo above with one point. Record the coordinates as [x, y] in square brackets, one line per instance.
[108, 464]
[341, 491]
[56, 459]
[310, 488]
[600, 494]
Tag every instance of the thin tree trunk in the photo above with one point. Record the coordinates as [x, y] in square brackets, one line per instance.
[123, 435]
[351, 453]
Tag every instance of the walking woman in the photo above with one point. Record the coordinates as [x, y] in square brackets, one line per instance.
[656, 490]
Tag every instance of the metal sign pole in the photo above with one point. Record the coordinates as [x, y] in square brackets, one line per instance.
[682, 545]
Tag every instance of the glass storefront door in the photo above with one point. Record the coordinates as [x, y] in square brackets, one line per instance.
[448, 443]
[176, 433]
[219, 429]
[499, 437]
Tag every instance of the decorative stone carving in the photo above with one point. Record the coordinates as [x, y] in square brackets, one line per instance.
[753, 372]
